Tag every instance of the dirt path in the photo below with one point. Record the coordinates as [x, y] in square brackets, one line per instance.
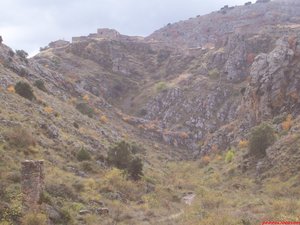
[171, 217]
[188, 200]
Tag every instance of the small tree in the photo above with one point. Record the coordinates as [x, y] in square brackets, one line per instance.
[261, 138]
[83, 155]
[120, 155]
[85, 109]
[22, 54]
[40, 85]
[135, 169]
[25, 90]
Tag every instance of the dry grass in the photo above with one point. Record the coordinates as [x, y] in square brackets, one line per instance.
[20, 137]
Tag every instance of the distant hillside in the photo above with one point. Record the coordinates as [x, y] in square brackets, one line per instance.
[214, 28]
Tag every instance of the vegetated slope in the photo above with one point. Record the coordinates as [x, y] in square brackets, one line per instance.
[177, 97]
[57, 124]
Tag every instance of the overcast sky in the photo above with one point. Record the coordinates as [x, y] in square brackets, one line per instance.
[31, 24]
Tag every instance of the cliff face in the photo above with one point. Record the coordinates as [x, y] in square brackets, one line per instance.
[198, 83]
[274, 81]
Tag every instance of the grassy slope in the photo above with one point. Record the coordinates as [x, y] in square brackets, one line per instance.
[224, 195]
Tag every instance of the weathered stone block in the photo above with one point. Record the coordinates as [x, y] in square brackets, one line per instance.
[32, 182]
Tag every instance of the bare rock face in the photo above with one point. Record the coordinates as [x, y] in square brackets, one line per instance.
[235, 66]
[32, 181]
[198, 115]
[274, 83]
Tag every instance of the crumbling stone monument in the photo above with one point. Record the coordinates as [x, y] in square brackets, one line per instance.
[32, 182]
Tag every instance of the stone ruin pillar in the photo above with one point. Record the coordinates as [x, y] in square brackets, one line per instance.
[32, 183]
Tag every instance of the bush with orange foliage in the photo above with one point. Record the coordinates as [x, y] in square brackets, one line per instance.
[11, 89]
[126, 118]
[48, 109]
[86, 98]
[104, 119]
[287, 124]
[183, 135]
[205, 160]
[243, 144]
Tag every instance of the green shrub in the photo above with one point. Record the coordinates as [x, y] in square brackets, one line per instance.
[229, 156]
[76, 125]
[11, 53]
[261, 137]
[135, 169]
[45, 198]
[137, 148]
[121, 156]
[22, 72]
[87, 166]
[40, 85]
[60, 190]
[143, 112]
[24, 90]
[83, 155]
[14, 176]
[66, 217]
[161, 86]
[85, 109]
[22, 54]
[78, 186]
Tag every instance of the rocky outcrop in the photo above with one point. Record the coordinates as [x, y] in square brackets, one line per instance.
[274, 84]
[195, 116]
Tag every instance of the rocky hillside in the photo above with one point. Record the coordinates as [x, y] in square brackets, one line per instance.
[191, 90]
[186, 92]
[213, 29]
